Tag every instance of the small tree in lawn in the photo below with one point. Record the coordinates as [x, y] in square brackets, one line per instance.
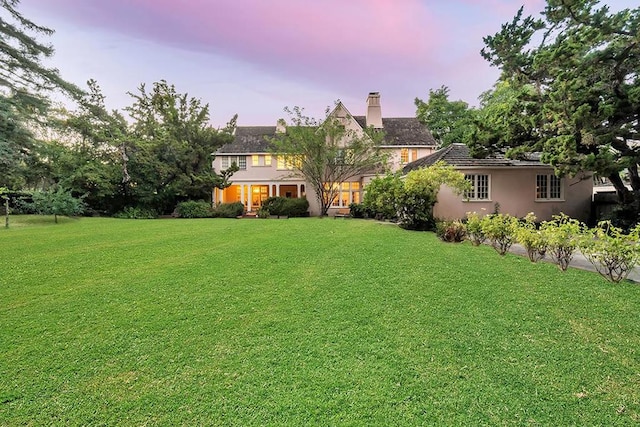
[612, 253]
[563, 235]
[327, 153]
[59, 202]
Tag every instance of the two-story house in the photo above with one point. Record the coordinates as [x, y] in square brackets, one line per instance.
[263, 174]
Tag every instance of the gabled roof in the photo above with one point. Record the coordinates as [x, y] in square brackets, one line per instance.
[402, 131]
[458, 155]
[250, 139]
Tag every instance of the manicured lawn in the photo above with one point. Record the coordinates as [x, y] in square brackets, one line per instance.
[302, 322]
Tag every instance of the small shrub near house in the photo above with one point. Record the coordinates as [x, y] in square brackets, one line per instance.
[451, 231]
[474, 229]
[500, 229]
[229, 210]
[531, 238]
[563, 235]
[287, 206]
[359, 210]
[194, 209]
[612, 253]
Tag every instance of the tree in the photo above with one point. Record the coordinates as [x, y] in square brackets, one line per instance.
[574, 75]
[170, 153]
[327, 153]
[448, 121]
[24, 86]
[58, 202]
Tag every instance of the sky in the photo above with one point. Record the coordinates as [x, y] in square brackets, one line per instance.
[255, 57]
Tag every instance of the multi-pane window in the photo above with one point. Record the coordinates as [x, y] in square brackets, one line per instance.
[548, 187]
[289, 162]
[479, 187]
[227, 161]
[267, 159]
[255, 160]
[414, 155]
[348, 192]
[404, 155]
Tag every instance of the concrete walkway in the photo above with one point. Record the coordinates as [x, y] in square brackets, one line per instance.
[578, 261]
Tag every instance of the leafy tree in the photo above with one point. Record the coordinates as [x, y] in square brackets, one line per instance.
[169, 156]
[58, 202]
[448, 121]
[573, 90]
[327, 153]
[419, 194]
[24, 86]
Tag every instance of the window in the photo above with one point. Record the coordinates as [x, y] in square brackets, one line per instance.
[289, 162]
[548, 187]
[480, 187]
[255, 160]
[404, 155]
[227, 161]
[414, 155]
[267, 160]
[348, 192]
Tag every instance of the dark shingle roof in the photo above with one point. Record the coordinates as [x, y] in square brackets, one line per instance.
[402, 131]
[458, 155]
[250, 139]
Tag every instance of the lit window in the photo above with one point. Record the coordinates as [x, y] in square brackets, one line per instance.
[404, 155]
[267, 160]
[548, 187]
[255, 160]
[347, 193]
[414, 155]
[479, 187]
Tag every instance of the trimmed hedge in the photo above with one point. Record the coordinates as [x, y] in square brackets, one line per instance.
[229, 210]
[194, 209]
[283, 206]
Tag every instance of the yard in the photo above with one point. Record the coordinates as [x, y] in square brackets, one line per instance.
[302, 322]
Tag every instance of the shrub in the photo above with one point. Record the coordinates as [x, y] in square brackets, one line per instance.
[380, 197]
[229, 210]
[451, 231]
[132, 212]
[500, 229]
[358, 210]
[263, 213]
[285, 206]
[194, 209]
[612, 253]
[563, 235]
[58, 202]
[533, 240]
[474, 229]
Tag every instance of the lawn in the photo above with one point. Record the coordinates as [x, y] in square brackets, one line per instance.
[302, 322]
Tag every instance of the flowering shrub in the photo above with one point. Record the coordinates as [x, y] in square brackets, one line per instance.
[451, 231]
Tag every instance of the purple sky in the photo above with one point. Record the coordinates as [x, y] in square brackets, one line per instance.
[254, 57]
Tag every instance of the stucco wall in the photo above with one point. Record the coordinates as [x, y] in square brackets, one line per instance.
[515, 191]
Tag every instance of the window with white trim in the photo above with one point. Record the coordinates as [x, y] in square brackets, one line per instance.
[479, 187]
[347, 193]
[404, 155]
[227, 161]
[548, 187]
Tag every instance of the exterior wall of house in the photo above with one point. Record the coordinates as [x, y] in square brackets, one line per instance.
[514, 189]
[414, 152]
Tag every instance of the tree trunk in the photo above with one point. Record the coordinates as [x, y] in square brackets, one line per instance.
[6, 212]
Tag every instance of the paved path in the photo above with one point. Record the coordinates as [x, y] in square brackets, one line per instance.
[578, 261]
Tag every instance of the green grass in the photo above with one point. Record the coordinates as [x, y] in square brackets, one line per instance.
[302, 322]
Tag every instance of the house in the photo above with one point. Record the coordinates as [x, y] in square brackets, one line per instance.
[513, 186]
[263, 174]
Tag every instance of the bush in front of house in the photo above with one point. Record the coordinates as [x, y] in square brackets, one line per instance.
[500, 229]
[563, 234]
[194, 209]
[360, 210]
[531, 238]
[229, 210]
[287, 206]
[474, 229]
[133, 212]
[451, 231]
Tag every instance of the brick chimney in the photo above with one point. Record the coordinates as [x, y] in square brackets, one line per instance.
[374, 112]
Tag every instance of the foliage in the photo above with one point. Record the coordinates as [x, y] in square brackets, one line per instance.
[263, 213]
[380, 196]
[533, 239]
[563, 235]
[500, 229]
[569, 89]
[287, 206]
[169, 156]
[448, 121]
[474, 228]
[612, 253]
[58, 202]
[328, 153]
[451, 231]
[359, 210]
[194, 209]
[131, 212]
[229, 210]
[419, 194]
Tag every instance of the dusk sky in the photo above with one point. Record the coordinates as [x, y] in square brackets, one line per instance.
[254, 57]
